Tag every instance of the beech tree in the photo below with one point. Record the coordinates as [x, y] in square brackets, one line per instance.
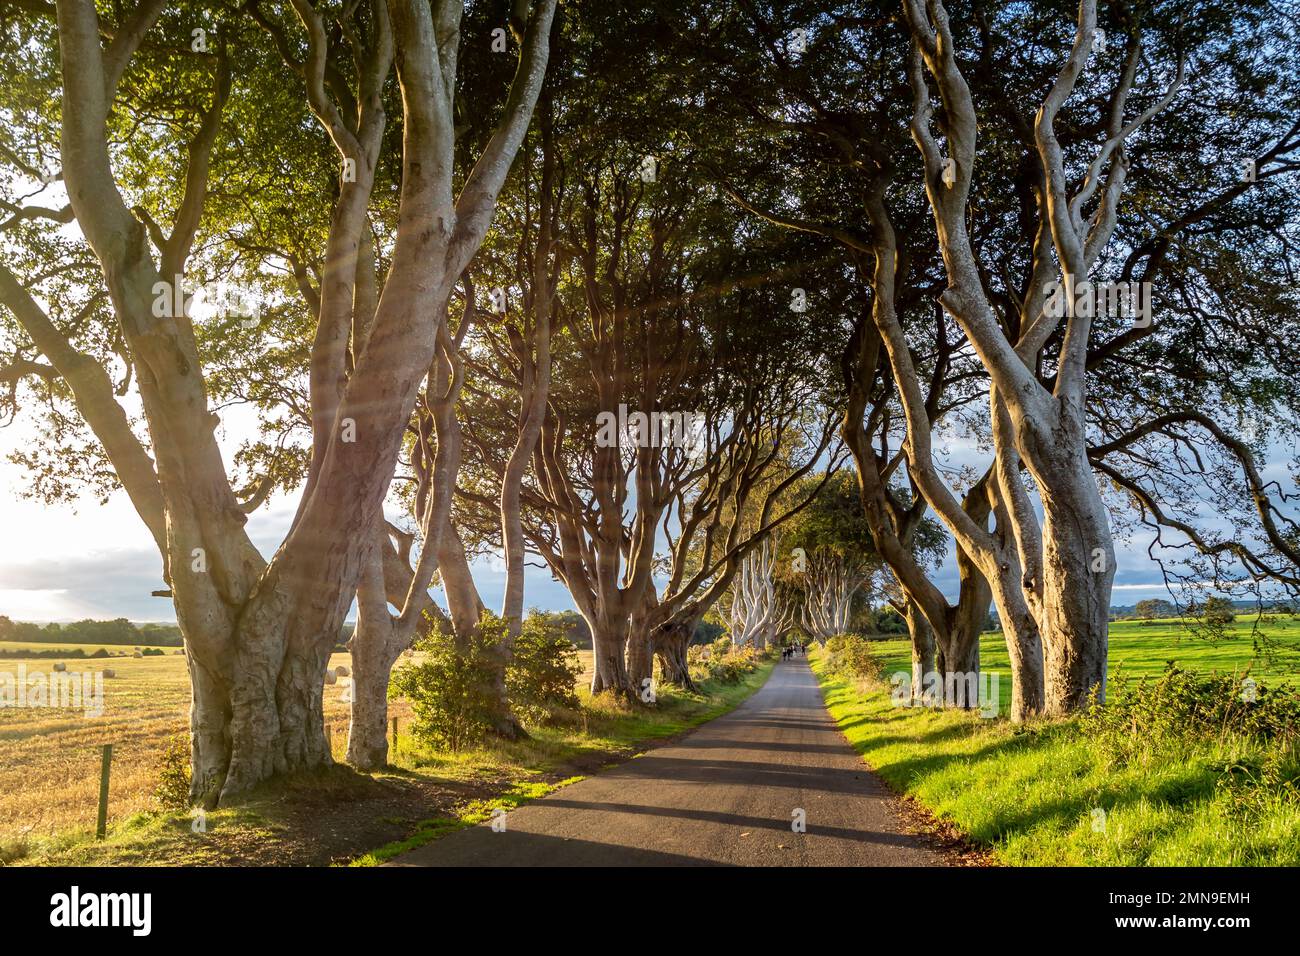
[825, 111]
[719, 228]
[258, 633]
[756, 613]
[1075, 218]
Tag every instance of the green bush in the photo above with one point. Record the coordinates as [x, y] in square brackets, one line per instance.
[1183, 706]
[851, 657]
[542, 676]
[721, 662]
[1219, 612]
[173, 789]
[450, 688]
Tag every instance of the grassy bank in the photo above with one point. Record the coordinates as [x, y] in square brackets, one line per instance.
[342, 817]
[1139, 649]
[1051, 795]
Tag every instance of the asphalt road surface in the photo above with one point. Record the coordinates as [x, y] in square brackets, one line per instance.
[726, 794]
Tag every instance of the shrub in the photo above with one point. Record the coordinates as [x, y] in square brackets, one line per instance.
[543, 673]
[723, 663]
[1183, 706]
[1257, 788]
[850, 656]
[1219, 612]
[173, 789]
[450, 688]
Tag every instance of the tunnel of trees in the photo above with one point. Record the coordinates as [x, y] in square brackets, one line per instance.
[690, 304]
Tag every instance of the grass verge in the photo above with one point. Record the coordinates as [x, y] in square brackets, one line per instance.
[1045, 794]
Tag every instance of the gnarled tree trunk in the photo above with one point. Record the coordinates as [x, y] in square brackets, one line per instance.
[609, 646]
[671, 641]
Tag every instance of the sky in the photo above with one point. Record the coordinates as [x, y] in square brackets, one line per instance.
[97, 561]
[92, 560]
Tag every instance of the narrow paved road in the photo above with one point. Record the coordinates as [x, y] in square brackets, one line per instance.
[726, 794]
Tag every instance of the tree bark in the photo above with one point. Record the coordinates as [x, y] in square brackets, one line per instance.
[671, 641]
[373, 656]
[1078, 574]
[923, 647]
[609, 647]
[640, 645]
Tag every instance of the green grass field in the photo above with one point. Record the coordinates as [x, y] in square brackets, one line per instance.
[1138, 649]
[1045, 794]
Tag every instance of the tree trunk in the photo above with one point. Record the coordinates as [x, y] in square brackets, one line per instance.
[640, 655]
[671, 642]
[957, 650]
[609, 646]
[1078, 572]
[922, 635]
[209, 733]
[277, 706]
[504, 722]
[641, 641]
[1024, 646]
[960, 654]
[368, 728]
[640, 659]
[373, 656]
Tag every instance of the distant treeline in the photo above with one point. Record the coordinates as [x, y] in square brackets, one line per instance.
[77, 653]
[122, 631]
[119, 631]
[1157, 608]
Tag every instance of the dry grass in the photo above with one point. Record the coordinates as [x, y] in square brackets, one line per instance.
[50, 757]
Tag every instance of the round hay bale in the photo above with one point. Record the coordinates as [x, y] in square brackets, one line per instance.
[137, 654]
[109, 672]
[330, 676]
[341, 671]
[60, 667]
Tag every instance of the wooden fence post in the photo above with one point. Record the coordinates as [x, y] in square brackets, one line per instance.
[101, 827]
